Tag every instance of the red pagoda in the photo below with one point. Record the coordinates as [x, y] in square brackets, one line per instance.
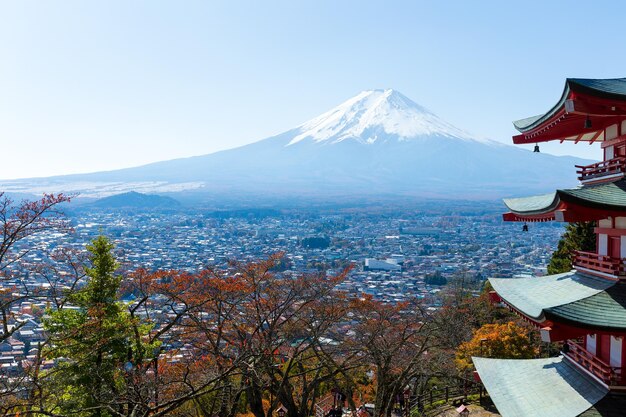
[585, 308]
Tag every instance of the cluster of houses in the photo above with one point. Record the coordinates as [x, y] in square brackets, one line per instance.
[391, 253]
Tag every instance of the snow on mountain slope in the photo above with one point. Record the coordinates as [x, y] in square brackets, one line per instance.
[376, 143]
[376, 115]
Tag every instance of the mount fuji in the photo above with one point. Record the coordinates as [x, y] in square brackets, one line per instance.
[376, 143]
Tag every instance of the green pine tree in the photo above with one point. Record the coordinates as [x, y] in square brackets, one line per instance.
[92, 340]
[577, 236]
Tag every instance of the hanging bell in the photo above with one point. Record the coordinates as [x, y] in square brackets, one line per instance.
[536, 150]
[588, 123]
[525, 228]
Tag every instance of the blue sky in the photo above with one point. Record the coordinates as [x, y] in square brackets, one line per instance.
[88, 86]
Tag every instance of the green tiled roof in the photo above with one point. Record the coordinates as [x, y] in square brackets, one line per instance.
[533, 295]
[611, 194]
[606, 309]
[614, 88]
[611, 87]
[529, 123]
[612, 405]
[538, 387]
[522, 124]
[534, 204]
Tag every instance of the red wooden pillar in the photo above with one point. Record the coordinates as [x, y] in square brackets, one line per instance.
[614, 247]
[603, 347]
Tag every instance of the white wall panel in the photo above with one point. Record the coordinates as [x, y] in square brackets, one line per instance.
[616, 351]
[603, 244]
[591, 343]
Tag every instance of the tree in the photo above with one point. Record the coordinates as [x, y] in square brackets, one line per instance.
[18, 223]
[461, 314]
[316, 242]
[577, 236]
[225, 338]
[505, 341]
[195, 354]
[197, 343]
[149, 357]
[435, 278]
[90, 340]
[394, 339]
[288, 330]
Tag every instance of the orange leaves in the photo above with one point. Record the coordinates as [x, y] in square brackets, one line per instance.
[191, 289]
[505, 341]
[185, 334]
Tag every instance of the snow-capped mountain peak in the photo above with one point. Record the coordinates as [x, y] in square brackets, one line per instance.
[390, 146]
[376, 115]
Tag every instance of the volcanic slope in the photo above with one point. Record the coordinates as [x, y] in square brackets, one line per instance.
[376, 143]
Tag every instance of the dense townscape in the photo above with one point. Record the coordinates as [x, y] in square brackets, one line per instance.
[392, 251]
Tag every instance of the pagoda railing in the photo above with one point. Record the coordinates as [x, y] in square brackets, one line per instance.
[600, 263]
[610, 167]
[606, 373]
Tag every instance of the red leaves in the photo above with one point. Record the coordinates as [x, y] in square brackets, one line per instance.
[18, 222]
[32, 216]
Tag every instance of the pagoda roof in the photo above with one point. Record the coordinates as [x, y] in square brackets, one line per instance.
[605, 309]
[612, 194]
[539, 387]
[602, 101]
[612, 88]
[534, 296]
[533, 205]
[603, 197]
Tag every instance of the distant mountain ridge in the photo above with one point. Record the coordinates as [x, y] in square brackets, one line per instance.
[376, 143]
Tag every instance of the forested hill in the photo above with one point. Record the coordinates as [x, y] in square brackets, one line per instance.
[134, 199]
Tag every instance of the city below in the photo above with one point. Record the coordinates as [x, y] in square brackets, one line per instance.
[393, 251]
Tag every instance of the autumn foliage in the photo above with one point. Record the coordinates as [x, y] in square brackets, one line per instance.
[17, 223]
[394, 339]
[504, 341]
[246, 338]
